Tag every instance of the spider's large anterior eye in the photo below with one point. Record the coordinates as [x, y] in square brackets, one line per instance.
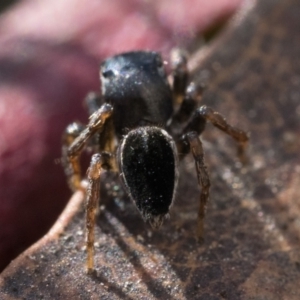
[107, 73]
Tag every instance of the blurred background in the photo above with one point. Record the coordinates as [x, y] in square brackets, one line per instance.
[6, 4]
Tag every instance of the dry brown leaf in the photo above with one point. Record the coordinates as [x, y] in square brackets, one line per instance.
[251, 250]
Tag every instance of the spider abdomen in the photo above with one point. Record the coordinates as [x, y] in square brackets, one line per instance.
[148, 162]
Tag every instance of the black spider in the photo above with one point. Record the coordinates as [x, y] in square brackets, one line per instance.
[135, 131]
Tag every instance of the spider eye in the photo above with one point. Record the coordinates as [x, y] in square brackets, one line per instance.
[107, 73]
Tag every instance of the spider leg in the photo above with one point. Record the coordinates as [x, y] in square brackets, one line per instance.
[179, 74]
[70, 157]
[98, 163]
[185, 95]
[71, 133]
[192, 97]
[192, 143]
[204, 114]
[93, 102]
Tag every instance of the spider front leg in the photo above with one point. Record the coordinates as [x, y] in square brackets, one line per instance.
[98, 162]
[72, 148]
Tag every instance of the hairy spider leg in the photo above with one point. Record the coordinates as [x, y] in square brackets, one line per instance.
[203, 179]
[71, 156]
[98, 163]
[190, 141]
[180, 74]
[208, 114]
[72, 171]
[193, 95]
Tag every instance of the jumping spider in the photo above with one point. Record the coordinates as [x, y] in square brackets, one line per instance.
[134, 130]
